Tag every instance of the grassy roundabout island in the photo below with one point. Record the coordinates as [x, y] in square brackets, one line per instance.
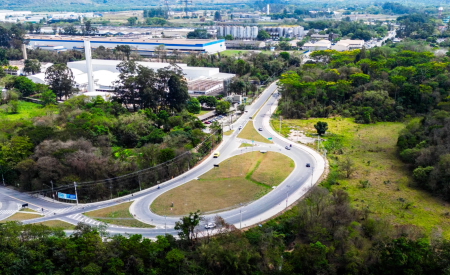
[239, 179]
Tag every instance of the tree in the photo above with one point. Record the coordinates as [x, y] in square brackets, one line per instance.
[48, 97]
[348, 166]
[88, 29]
[194, 106]
[61, 80]
[262, 35]
[15, 150]
[217, 16]
[223, 107]
[25, 85]
[187, 225]
[70, 30]
[132, 21]
[123, 49]
[229, 37]
[32, 66]
[199, 34]
[321, 127]
[178, 93]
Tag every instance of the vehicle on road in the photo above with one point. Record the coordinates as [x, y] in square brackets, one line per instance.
[259, 129]
[216, 154]
[208, 122]
[240, 127]
[287, 147]
[210, 225]
[308, 165]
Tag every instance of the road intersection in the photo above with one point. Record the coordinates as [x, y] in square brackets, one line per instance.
[273, 203]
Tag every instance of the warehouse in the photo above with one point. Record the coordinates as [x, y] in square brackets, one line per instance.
[140, 43]
[201, 80]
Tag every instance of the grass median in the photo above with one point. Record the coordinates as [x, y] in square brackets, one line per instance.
[380, 183]
[117, 215]
[58, 224]
[240, 179]
[249, 132]
[21, 216]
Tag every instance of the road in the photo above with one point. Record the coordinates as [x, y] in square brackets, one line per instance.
[293, 188]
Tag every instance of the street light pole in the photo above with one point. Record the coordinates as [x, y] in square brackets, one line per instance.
[53, 194]
[76, 195]
[240, 222]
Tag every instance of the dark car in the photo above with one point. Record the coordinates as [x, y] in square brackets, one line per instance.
[308, 165]
[259, 129]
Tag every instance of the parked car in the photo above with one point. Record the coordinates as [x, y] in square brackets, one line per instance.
[208, 122]
[210, 225]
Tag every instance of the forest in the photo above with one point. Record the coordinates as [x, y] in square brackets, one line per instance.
[321, 235]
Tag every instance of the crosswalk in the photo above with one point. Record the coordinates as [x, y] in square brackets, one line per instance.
[84, 219]
[59, 211]
[6, 212]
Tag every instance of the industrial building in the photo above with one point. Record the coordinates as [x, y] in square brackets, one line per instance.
[318, 46]
[348, 45]
[286, 32]
[238, 32]
[141, 44]
[201, 80]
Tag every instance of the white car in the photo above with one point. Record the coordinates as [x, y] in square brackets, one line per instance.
[210, 225]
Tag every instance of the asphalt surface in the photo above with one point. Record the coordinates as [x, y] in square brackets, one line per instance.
[292, 189]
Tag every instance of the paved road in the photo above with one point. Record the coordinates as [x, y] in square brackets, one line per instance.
[295, 186]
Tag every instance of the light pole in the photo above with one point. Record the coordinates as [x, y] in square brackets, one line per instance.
[53, 194]
[76, 195]
[165, 224]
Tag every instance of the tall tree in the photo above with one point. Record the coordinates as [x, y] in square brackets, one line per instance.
[61, 80]
[178, 93]
[32, 66]
[217, 16]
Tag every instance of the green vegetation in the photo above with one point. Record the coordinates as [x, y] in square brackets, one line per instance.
[58, 224]
[27, 111]
[118, 215]
[227, 133]
[378, 181]
[227, 186]
[249, 132]
[20, 216]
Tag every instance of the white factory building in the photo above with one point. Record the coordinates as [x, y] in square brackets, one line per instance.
[201, 80]
[238, 32]
[317, 46]
[142, 44]
[287, 32]
[348, 45]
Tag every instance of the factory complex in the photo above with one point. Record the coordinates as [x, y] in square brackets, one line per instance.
[145, 46]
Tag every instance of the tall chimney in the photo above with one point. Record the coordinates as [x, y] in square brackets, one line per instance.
[268, 9]
[87, 53]
[24, 52]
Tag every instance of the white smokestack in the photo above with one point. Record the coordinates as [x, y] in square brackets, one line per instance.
[268, 9]
[87, 52]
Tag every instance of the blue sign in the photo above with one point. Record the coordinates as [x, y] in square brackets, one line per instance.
[67, 196]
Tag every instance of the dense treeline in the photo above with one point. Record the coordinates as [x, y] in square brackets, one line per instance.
[250, 66]
[381, 84]
[354, 30]
[322, 235]
[417, 25]
[85, 140]
[424, 145]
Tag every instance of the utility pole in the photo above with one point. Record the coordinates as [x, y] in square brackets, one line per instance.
[76, 194]
[165, 224]
[280, 125]
[287, 195]
[139, 180]
[240, 222]
[53, 194]
[3, 179]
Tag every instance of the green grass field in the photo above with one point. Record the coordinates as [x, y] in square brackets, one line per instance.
[118, 215]
[249, 132]
[26, 110]
[240, 179]
[58, 224]
[21, 216]
[390, 192]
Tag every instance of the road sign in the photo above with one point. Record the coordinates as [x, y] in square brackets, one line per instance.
[67, 196]
[270, 138]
